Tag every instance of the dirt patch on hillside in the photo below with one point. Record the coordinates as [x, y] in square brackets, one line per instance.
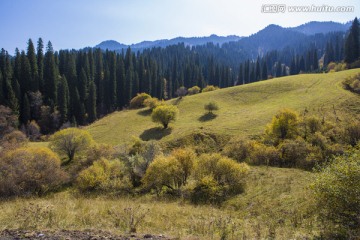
[75, 235]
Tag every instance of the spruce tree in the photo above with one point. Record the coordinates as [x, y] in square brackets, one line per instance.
[264, 73]
[31, 55]
[25, 114]
[258, 70]
[50, 77]
[63, 99]
[40, 63]
[120, 83]
[315, 60]
[91, 103]
[83, 85]
[25, 74]
[352, 43]
[11, 99]
[241, 75]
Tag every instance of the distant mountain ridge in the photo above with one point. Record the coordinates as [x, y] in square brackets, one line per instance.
[272, 36]
[191, 41]
[314, 27]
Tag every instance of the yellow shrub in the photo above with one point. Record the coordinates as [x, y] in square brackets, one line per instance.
[209, 88]
[218, 177]
[238, 148]
[138, 100]
[30, 170]
[264, 155]
[104, 175]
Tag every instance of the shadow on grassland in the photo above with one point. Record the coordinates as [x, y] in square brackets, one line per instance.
[207, 117]
[144, 112]
[155, 133]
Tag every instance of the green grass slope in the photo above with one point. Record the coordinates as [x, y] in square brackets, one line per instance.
[243, 109]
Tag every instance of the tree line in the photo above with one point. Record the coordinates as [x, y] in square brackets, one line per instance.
[76, 87]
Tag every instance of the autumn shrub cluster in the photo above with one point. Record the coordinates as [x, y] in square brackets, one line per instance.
[293, 141]
[30, 170]
[352, 83]
[208, 178]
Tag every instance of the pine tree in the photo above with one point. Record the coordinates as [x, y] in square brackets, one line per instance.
[112, 84]
[11, 99]
[293, 67]
[129, 84]
[63, 99]
[264, 73]
[99, 78]
[278, 69]
[17, 65]
[50, 77]
[352, 44]
[25, 114]
[316, 60]
[258, 70]
[25, 74]
[40, 63]
[91, 103]
[83, 85]
[241, 75]
[302, 64]
[120, 83]
[31, 55]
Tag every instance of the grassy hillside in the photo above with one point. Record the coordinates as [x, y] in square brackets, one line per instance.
[276, 204]
[243, 109]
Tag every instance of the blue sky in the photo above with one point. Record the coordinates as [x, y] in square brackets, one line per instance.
[81, 23]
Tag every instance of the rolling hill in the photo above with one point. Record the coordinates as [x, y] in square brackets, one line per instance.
[244, 110]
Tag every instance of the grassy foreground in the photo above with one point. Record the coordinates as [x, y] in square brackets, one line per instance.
[243, 109]
[276, 204]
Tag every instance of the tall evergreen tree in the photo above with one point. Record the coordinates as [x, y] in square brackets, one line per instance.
[83, 85]
[25, 74]
[25, 114]
[40, 63]
[120, 83]
[91, 103]
[316, 60]
[63, 99]
[241, 75]
[50, 76]
[258, 70]
[264, 73]
[31, 55]
[352, 44]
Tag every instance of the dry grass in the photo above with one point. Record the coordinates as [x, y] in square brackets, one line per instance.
[276, 204]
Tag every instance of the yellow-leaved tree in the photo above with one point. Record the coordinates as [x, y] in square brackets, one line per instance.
[70, 141]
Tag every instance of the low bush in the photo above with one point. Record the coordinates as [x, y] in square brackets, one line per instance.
[238, 148]
[26, 171]
[337, 192]
[104, 175]
[264, 155]
[138, 100]
[152, 103]
[209, 88]
[293, 152]
[163, 172]
[194, 90]
[217, 178]
[352, 83]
